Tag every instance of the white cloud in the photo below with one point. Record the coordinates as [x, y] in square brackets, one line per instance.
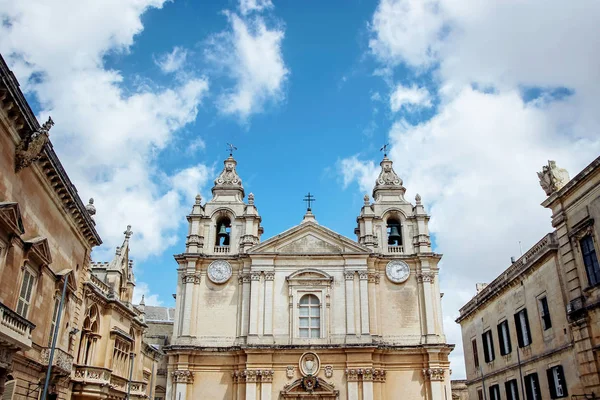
[363, 172]
[195, 145]
[142, 289]
[106, 136]
[475, 161]
[248, 6]
[406, 31]
[189, 180]
[173, 61]
[251, 55]
[409, 98]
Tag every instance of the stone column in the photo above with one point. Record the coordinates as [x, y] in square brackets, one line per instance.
[364, 303]
[349, 277]
[189, 280]
[268, 318]
[374, 311]
[435, 376]
[181, 380]
[245, 304]
[426, 280]
[266, 383]
[254, 282]
[352, 378]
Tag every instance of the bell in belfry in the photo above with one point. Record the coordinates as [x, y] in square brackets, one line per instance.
[394, 238]
[222, 234]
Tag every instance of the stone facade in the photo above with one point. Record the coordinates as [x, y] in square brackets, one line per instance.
[159, 333]
[308, 313]
[536, 326]
[46, 239]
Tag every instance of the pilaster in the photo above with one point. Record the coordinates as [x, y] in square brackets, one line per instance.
[349, 279]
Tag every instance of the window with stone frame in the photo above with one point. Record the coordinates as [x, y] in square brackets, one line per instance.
[590, 259]
[488, 346]
[120, 362]
[27, 284]
[54, 319]
[504, 338]
[309, 317]
[475, 352]
[545, 313]
[556, 382]
[512, 391]
[532, 387]
[480, 394]
[523, 331]
[494, 392]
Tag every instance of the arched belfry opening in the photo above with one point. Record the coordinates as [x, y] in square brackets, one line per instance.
[394, 232]
[223, 235]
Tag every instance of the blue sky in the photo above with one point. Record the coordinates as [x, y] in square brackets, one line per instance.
[473, 98]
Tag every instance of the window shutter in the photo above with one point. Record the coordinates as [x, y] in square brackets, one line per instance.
[485, 348]
[519, 330]
[551, 383]
[527, 326]
[501, 340]
[475, 353]
[9, 390]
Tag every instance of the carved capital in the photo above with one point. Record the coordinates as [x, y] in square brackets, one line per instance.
[269, 276]
[434, 374]
[425, 277]
[349, 275]
[191, 278]
[365, 374]
[255, 276]
[183, 376]
[363, 275]
[374, 277]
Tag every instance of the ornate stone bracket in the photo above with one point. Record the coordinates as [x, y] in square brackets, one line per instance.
[433, 374]
[30, 148]
[183, 376]
[253, 375]
[425, 277]
[365, 374]
[191, 278]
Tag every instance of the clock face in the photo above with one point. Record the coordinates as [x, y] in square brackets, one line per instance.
[219, 271]
[397, 271]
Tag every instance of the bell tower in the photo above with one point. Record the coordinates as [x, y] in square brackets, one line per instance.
[225, 224]
[391, 224]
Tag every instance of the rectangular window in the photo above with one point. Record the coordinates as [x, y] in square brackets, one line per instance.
[494, 392]
[25, 294]
[480, 394]
[475, 353]
[512, 391]
[504, 338]
[53, 321]
[556, 382]
[522, 324]
[488, 346]
[590, 260]
[545, 313]
[532, 387]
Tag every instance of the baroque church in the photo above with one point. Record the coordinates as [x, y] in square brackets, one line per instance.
[308, 314]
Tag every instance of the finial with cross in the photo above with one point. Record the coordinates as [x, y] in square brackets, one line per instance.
[230, 149]
[385, 149]
[309, 198]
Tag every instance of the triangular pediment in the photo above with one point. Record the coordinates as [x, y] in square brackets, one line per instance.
[39, 249]
[309, 238]
[10, 215]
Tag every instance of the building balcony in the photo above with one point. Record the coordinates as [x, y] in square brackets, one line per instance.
[62, 363]
[14, 329]
[91, 375]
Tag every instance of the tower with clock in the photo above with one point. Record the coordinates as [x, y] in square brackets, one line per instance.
[308, 313]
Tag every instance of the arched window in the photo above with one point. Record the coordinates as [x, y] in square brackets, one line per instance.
[394, 232]
[223, 231]
[89, 335]
[310, 316]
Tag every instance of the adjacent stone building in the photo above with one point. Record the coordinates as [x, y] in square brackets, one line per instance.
[46, 239]
[308, 313]
[159, 333]
[534, 331]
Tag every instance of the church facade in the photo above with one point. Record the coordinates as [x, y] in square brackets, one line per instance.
[308, 313]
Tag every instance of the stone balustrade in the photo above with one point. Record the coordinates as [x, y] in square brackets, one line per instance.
[104, 288]
[222, 249]
[62, 363]
[395, 249]
[88, 374]
[14, 328]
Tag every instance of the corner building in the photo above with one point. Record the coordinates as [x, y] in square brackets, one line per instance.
[308, 313]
